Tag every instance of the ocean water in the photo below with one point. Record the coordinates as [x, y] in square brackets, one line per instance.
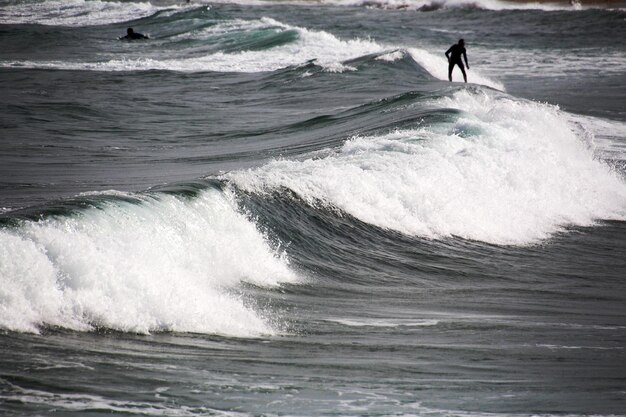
[285, 209]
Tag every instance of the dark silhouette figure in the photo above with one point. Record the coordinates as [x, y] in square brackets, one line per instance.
[454, 58]
[132, 35]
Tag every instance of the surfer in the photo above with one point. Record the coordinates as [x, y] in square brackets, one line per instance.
[454, 58]
[132, 35]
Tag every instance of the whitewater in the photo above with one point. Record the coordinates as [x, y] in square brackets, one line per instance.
[491, 175]
[287, 209]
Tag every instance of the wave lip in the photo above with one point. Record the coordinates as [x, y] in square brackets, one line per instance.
[166, 264]
[504, 171]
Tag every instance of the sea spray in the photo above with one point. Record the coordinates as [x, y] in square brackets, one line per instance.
[165, 264]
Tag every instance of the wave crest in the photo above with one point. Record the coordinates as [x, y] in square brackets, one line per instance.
[167, 264]
[500, 171]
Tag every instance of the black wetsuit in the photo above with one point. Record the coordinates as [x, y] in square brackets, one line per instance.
[456, 51]
[133, 36]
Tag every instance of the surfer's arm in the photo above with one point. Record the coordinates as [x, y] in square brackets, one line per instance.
[448, 53]
[465, 57]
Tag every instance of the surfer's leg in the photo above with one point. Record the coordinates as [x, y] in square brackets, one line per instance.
[460, 64]
[450, 67]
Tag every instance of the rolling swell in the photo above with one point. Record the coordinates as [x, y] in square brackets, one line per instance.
[339, 254]
[196, 41]
[206, 30]
[300, 114]
[311, 220]
[399, 158]
[65, 262]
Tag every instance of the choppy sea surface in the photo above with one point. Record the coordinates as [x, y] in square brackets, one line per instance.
[285, 209]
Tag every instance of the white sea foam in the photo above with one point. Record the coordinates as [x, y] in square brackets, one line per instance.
[391, 56]
[504, 172]
[75, 12]
[231, 26]
[165, 264]
[324, 48]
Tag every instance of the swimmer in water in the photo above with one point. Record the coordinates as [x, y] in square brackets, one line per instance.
[132, 35]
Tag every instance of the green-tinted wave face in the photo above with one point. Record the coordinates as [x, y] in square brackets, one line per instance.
[205, 29]
[258, 40]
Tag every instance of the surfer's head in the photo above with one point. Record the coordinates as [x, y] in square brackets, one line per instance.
[130, 31]
[461, 42]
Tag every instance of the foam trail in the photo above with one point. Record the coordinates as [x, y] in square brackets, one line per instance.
[165, 264]
[504, 172]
